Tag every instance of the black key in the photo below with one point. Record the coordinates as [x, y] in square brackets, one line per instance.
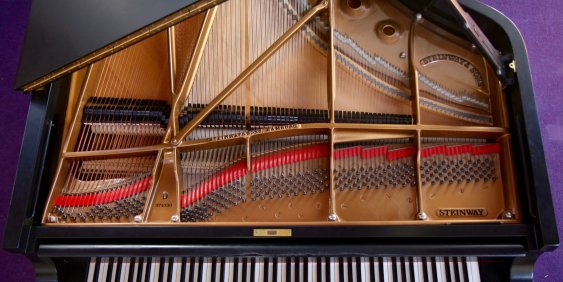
[235, 270]
[456, 269]
[140, 269]
[253, 268]
[350, 269]
[97, 268]
[404, 269]
[328, 274]
[213, 268]
[381, 276]
[464, 265]
[118, 268]
[288, 263]
[305, 262]
[394, 267]
[161, 269]
[149, 267]
[183, 270]
[372, 273]
[359, 264]
[266, 270]
[319, 269]
[170, 267]
[341, 268]
[132, 265]
[434, 270]
[222, 262]
[275, 270]
[244, 269]
[424, 268]
[191, 277]
[109, 269]
[200, 277]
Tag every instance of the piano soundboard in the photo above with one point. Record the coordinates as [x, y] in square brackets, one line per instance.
[292, 120]
[288, 112]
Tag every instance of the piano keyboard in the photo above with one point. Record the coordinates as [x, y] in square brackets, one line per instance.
[290, 269]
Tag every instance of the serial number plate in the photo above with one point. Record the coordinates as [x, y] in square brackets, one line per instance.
[272, 232]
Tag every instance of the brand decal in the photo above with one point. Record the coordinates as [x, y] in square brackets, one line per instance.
[456, 59]
[461, 212]
[257, 131]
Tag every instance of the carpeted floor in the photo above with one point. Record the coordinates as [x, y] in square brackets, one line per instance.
[541, 24]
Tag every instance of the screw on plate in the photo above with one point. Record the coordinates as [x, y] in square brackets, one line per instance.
[508, 215]
[332, 217]
[422, 216]
[175, 218]
[52, 218]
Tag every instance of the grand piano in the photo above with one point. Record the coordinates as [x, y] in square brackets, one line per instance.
[279, 140]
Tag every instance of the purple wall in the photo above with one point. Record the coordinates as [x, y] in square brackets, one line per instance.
[539, 21]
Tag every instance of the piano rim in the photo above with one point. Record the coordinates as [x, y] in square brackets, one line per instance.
[540, 230]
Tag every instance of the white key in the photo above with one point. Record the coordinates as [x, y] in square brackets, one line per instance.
[473, 269]
[196, 269]
[91, 270]
[103, 272]
[227, 274]
[301, 269]
[363, 267]
[113, 269]
[399, 272]
[281, 269]
[136, 270]
[345, 268]
[310, 270]
[418, 271]
[323, 269]
[460, 268]
[292, 269]
[376, 269]
[125, 265]
[408, 270]
[218, 270]
[270, 269]
[334, 270]
[441, 270]
[387, 270]
[206, 270]
[259, 270]
[429, 269]
[143, 271]
[354, 269]
[176, 268]
[155, 269]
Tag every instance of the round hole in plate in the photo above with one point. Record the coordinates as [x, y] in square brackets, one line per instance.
[389, 30]
[354, 4]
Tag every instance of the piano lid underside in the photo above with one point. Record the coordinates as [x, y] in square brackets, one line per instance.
[285, 113]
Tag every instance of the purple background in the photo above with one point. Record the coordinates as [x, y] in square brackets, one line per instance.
[540, 22]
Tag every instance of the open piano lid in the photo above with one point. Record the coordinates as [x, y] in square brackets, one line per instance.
[64, 36]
